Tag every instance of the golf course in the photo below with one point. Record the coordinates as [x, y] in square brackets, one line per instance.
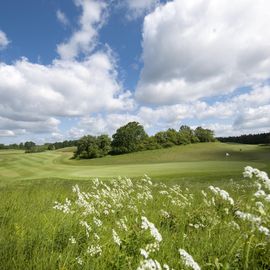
[198, 161]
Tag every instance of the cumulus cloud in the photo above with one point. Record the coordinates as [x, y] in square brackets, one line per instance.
[34, 96]
[62, 18]
[3, 40]
[196, 49]
[6, 133]
[138, 8]
[84, 39]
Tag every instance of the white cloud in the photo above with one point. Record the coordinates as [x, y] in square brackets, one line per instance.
[84, 39]
[138, 8]
[3, 40]
[33, 96]
[196, 49]
[62, 18]
[6, 133]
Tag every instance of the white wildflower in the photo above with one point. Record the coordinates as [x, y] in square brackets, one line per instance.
[149, 264]
[188, 260]
[144, 253]
[222, 193]
[72, 240]
[164, 213]
[146, 224]
[264, 230]
[122, 225]
[87, 227]
[94, 250]
[260, 193]
[79, 260]
[116, 238]
[96, 236]
[234, 225]
[65, 208]
[97, 221]
[248, 217]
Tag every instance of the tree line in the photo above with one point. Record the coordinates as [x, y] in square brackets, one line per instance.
[31, 147]
[127, 139]
[133, 138]
[261, 138]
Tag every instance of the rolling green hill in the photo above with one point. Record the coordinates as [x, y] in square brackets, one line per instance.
[202, 161]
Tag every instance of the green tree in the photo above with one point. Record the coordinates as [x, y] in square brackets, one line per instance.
[128, 138]
[204, 135]
[187, 135]
[104, 145]
[93, 147]
[29, 145]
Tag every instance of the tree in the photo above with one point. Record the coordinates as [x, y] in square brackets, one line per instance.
[104, 145]
[29, 145]
[128, 138]
[187, 135]
[93, 147]
[204, 135]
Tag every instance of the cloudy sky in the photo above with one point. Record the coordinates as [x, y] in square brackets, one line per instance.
[75, 67]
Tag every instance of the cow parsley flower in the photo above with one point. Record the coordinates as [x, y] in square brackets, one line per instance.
[149, 264]
[188, 260]
[222, 193]
[72, 240]
[116, 238]
[94, 250]
[146, 224]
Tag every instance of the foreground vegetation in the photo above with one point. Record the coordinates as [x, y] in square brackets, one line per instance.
[136, 224]
[50, 222]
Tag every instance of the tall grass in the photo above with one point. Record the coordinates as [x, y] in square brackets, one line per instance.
[136, 224]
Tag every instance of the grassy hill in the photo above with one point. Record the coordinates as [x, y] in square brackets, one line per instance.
[197, 161]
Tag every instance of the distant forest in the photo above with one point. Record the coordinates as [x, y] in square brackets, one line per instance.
[262, 138]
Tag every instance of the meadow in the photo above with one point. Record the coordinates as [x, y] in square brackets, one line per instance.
[54, 214]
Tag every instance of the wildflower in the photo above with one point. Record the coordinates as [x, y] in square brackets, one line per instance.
[144, 253]
[248, 216]
[264, 230]
[94, 250]
[260, 193]
[116, 238]
[97, 221]
[234, 225]
[87, 227]
[188, 260]
[122, 225]
[65, 208]
[249, 172]
[96, 236]
[72, 240]
[146, 224]
[79, 261]
[164, 213]
[149, 264]
[222, 193]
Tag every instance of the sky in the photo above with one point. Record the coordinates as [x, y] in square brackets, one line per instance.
[76, 67]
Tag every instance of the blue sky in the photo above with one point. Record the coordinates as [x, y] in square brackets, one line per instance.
[75, 67]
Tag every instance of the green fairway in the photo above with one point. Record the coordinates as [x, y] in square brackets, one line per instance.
[199, 161]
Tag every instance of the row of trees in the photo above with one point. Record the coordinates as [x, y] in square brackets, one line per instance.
[262, 138]
[132, 138]
[31, 147]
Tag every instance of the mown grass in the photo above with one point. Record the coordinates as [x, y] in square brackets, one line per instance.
[33, 235]
[200, 161]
